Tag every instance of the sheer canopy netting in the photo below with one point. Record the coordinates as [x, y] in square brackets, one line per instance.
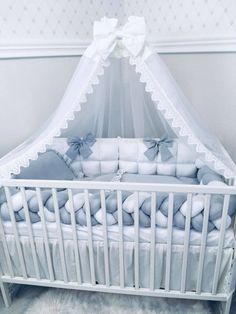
[133, 96]
[119, 106]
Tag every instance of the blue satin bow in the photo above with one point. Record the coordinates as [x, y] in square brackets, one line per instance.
[161, 146]
[80, 146]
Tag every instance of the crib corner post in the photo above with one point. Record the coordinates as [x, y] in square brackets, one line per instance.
[5, 293]
[225, 306]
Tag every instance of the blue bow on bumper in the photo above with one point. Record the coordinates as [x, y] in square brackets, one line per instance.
[158, 146]
[80, 146]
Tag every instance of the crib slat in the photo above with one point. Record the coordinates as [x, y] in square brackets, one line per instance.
[234, 224]
[186, 243]
[121, 240]
[105, 239]
[203, 242]
[90, 237]
[28, 222]
[221, 243]
[169, 240]
[59, 234]
[16, 234]
[5, 248]
[4, 288]
[136, 241]
[153, 240]
[45, 234]
[75, 238]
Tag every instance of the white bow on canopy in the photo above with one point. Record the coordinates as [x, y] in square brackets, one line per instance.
[108, 35]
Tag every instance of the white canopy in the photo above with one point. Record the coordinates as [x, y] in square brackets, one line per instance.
[132, 94]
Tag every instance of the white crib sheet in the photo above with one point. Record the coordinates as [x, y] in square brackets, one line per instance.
[128, 234]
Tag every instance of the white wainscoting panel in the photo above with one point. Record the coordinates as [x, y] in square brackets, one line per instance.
[64, 27]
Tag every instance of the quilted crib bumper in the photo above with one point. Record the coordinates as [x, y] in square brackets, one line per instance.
[111, 155]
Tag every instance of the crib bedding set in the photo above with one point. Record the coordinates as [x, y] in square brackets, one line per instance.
[121, 160]
[121, 178]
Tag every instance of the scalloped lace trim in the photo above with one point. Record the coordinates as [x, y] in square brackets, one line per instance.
[163, 104]
[15, 168]
[174, 119]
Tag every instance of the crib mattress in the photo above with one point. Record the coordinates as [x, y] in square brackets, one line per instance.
[128, 234]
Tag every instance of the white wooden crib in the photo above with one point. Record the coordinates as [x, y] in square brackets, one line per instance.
[8, 276]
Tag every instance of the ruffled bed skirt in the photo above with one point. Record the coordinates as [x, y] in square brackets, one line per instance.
[129, 253]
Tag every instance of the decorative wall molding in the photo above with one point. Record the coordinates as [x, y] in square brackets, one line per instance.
[42, 50]
[39, 28]
[76, 49]
[196, 45]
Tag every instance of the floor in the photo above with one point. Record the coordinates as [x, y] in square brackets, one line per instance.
[26, 294]
[21, 300]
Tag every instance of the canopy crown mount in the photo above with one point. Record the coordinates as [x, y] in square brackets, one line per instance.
[108, 36]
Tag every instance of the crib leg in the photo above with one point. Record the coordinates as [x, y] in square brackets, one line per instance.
[225, 308]
[5, 293]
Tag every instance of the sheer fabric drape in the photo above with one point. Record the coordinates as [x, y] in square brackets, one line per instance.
[127, 97]
[119, 106]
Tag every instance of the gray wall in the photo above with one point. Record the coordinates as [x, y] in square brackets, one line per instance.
[30, 90]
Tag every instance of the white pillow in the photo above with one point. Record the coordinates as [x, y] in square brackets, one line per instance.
[129, 203]
[78, 202]
[109, 217]
[49, 216]
[17, 199]
[217, 222]
[161, 220]
[198, 202]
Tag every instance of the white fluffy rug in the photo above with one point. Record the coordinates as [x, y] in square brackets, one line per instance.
[58, 301]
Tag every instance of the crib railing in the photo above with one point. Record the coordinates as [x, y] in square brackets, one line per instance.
[102, 187]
